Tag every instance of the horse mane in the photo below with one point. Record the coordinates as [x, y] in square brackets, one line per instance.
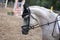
[42, 8]
[43, 11]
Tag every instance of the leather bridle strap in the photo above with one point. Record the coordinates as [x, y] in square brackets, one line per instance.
[44, 24]
[29, 17]
[55, 25]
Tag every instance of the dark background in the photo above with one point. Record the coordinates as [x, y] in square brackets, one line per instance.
[45, 3]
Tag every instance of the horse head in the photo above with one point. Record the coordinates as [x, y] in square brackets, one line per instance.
[30, 18]
[38, 15]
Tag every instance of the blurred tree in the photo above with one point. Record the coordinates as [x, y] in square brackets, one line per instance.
[45, 3]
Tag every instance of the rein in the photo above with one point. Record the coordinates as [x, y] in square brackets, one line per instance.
[32, 27]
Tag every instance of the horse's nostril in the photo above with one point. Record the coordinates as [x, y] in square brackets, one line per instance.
[25, 30]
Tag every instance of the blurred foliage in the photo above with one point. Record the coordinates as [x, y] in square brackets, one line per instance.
[45, 3]
[10, 13]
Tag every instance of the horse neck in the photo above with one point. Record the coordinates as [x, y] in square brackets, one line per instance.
[52, 16]
[49, 17]
[44, 15]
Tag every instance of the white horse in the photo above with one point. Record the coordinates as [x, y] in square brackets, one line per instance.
[41, 16]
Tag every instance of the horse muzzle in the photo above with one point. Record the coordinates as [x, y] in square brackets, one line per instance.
[25, 29]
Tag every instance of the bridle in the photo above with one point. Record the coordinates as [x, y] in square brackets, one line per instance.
[27, 27]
